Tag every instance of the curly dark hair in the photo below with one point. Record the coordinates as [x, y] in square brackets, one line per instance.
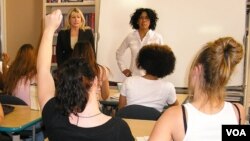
[157, 60]
[136, 15]
[74, 78]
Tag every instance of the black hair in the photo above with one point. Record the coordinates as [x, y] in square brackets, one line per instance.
[157, 60]
[74, 79]
[136, 15]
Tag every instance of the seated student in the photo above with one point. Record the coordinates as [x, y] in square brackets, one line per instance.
[70, 112]
[151, 90]
[207, 111]
[21, 73]
[84, 49]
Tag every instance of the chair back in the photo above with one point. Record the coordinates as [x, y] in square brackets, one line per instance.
[9, 99]
[138, 112]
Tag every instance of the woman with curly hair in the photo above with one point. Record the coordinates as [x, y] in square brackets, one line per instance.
[151, 90]
[143, 20]
[21, 73]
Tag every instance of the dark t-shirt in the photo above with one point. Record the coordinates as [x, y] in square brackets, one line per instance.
[58, 128]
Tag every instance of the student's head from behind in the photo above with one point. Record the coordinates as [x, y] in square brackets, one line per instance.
[213, 66]
[26, 53]
[75, 78]
[157, 60]
[151, 15]
[25, 59]
[75, 18]
[84, 49]
[23, 66]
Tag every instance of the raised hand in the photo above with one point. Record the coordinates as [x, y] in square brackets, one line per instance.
[53, 20]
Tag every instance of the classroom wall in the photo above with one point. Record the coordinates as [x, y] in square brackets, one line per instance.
[23, 24]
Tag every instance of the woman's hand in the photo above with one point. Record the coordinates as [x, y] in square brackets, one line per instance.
[127, 72]
[5, 58]
[53, 20]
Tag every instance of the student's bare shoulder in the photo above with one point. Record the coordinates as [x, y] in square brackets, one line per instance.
[173, 112]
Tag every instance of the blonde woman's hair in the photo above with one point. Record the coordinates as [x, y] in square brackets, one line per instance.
[218, 60]
[77, 11]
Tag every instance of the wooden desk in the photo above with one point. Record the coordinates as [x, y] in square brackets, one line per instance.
[140, 128]
[182, 98]
[22, 117]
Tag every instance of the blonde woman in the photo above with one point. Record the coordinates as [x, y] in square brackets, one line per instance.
[202, 118]
[75, 31]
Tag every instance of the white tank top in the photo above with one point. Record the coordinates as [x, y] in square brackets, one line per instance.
[207, 127]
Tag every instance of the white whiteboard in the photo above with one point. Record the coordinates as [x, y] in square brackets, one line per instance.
[186, 25]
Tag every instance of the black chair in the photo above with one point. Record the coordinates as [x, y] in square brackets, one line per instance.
[5, 137]
[9, 99]
[138, 112]
[13, 100]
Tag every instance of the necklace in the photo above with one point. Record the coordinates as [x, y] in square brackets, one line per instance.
[90, 116]
[87, 116]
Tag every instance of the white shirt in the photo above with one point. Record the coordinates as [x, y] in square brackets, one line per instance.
[150, 93]
[207, 127]
[134, 43]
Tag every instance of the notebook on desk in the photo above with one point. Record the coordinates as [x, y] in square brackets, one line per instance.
[115, 96]
[7, 109]
[34, 103]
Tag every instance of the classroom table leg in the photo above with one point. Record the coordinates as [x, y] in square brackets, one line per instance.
[34, 133]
